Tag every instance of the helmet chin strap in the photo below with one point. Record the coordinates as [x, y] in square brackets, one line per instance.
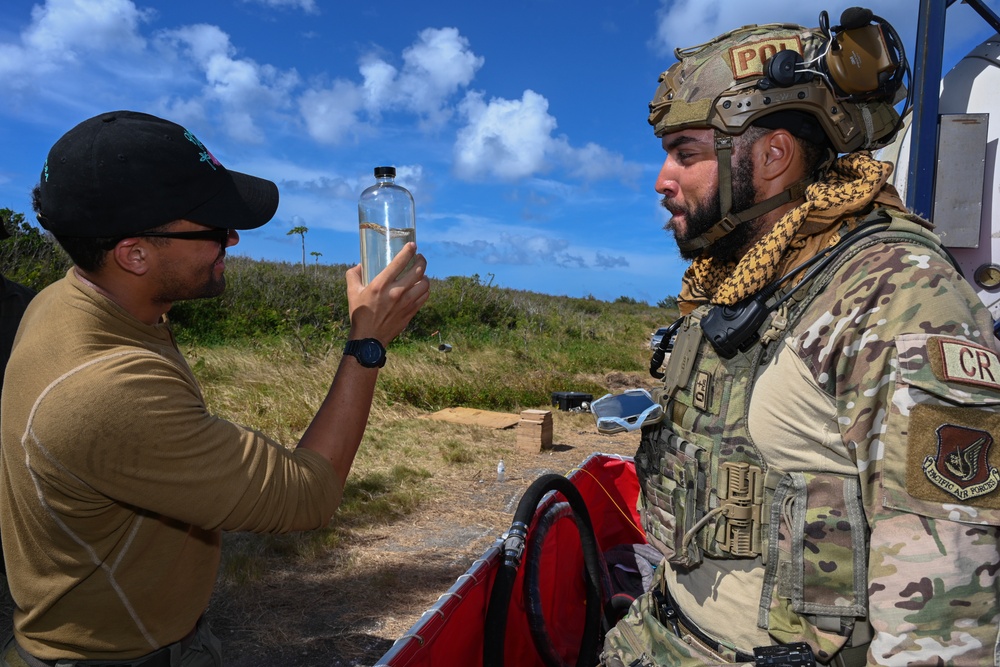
[731, 220]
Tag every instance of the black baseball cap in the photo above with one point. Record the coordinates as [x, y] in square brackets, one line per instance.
[126, 172]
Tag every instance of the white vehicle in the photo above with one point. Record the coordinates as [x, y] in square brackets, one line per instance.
[657, 336]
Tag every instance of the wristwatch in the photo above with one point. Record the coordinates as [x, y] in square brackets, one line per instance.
[369, 352]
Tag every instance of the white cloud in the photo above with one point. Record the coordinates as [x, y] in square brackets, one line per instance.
[67, 27]
[519, 249]
[379, 81]
[84, 52]
[68, 33]
[239, 87]
[516, 249]
[202, 42]
[605, 261]
[308, 6]
[331, 114]
[593, 162]
[435, 68]
[90, 55]
[508, 139]
[512, 139]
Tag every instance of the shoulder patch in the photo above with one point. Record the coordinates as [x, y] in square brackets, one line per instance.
[748, 59]
[950, 452]
[961, 465]
[955, 360]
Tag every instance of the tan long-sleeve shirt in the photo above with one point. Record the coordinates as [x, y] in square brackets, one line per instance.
[116, 482]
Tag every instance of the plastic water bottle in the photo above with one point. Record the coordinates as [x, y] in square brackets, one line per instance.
[501, 469]
[386, 220]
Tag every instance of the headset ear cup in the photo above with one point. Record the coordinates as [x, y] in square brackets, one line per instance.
[874, 64]
[782, 68]
[897, 53]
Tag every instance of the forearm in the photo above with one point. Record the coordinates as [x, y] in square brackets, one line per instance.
[336, 430]
[380, 311]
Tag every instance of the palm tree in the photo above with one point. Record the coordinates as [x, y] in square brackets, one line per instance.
[317, 255]
[301, 231]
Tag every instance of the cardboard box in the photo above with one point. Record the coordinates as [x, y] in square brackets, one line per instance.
[534, 431]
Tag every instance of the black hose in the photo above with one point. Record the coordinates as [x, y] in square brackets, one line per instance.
[532, 582]
[495, 629]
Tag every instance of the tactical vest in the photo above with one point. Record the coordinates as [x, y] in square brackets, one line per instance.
[707, 491]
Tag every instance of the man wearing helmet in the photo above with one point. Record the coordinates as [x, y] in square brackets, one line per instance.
[823, 483]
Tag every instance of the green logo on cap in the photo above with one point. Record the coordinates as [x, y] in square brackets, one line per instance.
[206, 155]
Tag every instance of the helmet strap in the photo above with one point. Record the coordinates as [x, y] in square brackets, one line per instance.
[731, 220]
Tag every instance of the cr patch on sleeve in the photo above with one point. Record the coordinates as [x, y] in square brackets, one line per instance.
[955, 360]
[951, 455]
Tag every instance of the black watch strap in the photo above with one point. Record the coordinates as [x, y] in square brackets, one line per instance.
[369, 352]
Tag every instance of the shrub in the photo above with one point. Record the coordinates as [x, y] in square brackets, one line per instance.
[30, 257]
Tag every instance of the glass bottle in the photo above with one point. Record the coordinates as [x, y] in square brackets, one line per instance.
[386, 220]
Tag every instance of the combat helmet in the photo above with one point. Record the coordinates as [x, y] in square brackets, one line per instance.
[837, 85]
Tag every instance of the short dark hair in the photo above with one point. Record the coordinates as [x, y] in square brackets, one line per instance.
[814, 153]
[816, 148]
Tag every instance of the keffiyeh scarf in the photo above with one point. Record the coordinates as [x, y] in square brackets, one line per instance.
[846, 193]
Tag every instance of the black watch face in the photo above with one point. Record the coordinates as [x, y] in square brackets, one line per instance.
[370, 353]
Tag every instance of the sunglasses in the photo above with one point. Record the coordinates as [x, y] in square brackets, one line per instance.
[220, 235]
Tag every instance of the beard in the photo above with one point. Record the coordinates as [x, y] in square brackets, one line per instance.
[703, 216]
[183, 284]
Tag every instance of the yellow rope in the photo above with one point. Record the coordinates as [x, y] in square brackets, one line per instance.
[628, 516]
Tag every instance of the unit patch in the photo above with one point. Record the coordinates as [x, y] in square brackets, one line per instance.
[950, 455]
[968, 363]
[961, 466]
[748, 59]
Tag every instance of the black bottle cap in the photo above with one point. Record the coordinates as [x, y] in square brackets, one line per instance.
[382, 172]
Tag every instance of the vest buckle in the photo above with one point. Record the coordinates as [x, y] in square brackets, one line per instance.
[741, 496]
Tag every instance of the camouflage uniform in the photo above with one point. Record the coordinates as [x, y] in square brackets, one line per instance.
[833, 483]
[871, 418]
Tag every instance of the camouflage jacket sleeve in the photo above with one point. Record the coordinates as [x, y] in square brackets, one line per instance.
[906, 350]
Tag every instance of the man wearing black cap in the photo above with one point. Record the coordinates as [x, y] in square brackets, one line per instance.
[116, 480]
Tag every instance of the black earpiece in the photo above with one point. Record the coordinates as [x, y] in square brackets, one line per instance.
[781, 68]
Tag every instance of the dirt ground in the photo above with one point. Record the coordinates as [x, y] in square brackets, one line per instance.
[324, 613]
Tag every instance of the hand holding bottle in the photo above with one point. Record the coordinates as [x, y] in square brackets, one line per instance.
[384, 307]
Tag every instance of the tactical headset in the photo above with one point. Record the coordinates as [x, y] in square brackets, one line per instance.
[864, 59]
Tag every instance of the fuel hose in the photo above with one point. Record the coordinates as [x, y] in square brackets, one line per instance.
[513, 549]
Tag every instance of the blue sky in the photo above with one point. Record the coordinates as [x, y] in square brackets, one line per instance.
[520, 126]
